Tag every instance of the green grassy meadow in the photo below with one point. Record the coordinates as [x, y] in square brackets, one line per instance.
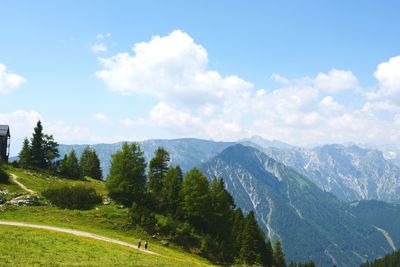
[30, 247]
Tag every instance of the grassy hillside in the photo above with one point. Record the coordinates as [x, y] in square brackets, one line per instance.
[108, 220]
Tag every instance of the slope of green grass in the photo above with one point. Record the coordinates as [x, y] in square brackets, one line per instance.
[40, 181]
[107, 220]
[34, 247]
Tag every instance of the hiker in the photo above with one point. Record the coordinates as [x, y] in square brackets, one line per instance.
[145, 244]
[139, 243]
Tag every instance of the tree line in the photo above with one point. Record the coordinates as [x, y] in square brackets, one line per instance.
[41, 152]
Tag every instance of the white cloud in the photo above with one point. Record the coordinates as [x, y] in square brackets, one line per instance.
[100, 117]
[9, 81]
[173, 69]
[335, 81]
[194, 101]
[388, 76]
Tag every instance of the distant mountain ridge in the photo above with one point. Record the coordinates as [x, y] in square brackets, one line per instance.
[311, 223]
[349, 172]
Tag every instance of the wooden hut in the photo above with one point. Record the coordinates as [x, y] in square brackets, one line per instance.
[4, 143]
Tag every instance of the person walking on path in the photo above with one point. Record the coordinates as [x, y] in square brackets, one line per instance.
[139, 243]
[146, 245]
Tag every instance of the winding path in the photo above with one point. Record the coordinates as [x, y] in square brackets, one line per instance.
[14, 178]
[77, 233]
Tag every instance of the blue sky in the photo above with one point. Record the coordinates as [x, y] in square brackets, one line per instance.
[304, 72]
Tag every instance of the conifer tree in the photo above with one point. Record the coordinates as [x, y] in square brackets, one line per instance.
[25, 154]
[72, 165]
[279, 256]
[237, 230]
[89, 164]
[221, 220]
[37, 159]
[63, 168]
[252, 245]
[50, 148]
[126, 181]
[170, 193]
[196, 199]
[158, 168]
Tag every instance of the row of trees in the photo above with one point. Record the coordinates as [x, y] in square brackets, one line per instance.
[87, 165]
[41, 152]
[194, 212]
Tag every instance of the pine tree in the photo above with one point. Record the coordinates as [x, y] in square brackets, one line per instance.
[126, 181]
[221, 220]
[196, 199]
[38, 159]
[50, 148]
[25, 154]
[72, 165]
[237, 230]
[63, 168]
[158, 168]
[170, 193]
[253, 244]
[279, 256]
[89, 164]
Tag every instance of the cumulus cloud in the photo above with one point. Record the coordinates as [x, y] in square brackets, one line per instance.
[388, 76]
[335, 81]
[9, 81]
[172, 68]
[194, 101]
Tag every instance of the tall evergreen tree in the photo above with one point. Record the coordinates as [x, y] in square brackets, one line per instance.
[253, 244]
[279, 256]
[221, 220]
[126, 181]
[63, 168]
[170, 193]
[50, 147]
[89, 164]
[237, 230]
[196, 199]
[25, 154]
[72, 165]
[38, 159]
[158, 168]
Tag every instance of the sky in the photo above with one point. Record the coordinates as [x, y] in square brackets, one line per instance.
[303, 72]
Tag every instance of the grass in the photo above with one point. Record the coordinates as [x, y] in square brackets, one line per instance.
[40, 181]
[107, 220]
[35, 247]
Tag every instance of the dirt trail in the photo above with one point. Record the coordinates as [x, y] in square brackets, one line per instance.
[77, 233]
[14, 178]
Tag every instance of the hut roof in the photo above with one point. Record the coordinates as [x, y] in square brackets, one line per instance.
[4, 130]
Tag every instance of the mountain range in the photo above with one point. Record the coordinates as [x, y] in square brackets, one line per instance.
[311, 223]
[324, 203]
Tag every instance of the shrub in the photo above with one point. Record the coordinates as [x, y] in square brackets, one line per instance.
[72, 197]
[4, 178]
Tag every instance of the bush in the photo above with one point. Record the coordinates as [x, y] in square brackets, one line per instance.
[4, 177]
[72, 197]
